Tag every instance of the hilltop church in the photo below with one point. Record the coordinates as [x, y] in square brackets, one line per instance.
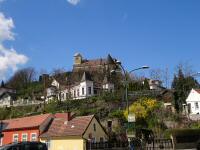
[102, 64]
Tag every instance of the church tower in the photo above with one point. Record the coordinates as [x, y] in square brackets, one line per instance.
[77, 59]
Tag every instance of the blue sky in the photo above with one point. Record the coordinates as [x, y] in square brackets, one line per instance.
[157, 33]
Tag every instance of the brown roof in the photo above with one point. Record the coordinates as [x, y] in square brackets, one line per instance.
[26, 122]
[94, 62]
[60, 127]
[197, 90]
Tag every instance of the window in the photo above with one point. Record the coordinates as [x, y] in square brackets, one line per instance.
[94, 126]
[95, 91]
[74, 93]
[15, 138]
[93, 140]
[24, 137]
[63, 96]
[101, 139]
[78, 93]
[89, 90]
[196, 105]
[33, 137]
[83, 91]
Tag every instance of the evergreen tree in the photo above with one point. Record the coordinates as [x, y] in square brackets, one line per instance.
[2, 83]
[182, 85]
[146, 85]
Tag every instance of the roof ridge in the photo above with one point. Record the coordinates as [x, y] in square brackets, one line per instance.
[12, 119]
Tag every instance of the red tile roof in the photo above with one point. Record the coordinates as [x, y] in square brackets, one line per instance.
[25, 122]
[75, 127]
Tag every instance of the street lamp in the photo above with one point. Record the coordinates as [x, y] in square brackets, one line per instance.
[126, 73]
[131, 118]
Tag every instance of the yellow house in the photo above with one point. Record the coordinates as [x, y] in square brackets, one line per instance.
[68, 133]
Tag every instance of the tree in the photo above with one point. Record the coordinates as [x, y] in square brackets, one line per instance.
[2, 83]
[142, 108]
[182, 84]
[24, 81]
[146, 85]
[156, 74]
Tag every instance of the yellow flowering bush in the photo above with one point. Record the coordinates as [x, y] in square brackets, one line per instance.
[142, 108]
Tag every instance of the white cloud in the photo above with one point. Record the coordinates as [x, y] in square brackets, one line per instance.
[74, 2]
[9, 58]
[6, 25]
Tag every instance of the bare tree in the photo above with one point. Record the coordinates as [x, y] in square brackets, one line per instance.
[166, 77]
[22, 78]
[57, 71]
[156, 74]
[186, 67]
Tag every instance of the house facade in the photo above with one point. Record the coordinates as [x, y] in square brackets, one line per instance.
[24, 129]
[155, 84]
[7, 96]
[85, 88]
[7, 99]
[73, 132]
[193, 102]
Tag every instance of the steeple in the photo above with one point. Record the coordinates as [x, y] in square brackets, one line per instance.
[86, 77]
[110, 59]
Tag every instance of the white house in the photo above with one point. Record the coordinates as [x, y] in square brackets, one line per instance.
[155, 84]
[6, 99]
[55, 83]
[107, 85]
[193, 102]
[51, 93]
[81, 90]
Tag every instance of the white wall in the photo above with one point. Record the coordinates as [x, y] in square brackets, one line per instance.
[193, 97]
[55, 83]
[5, 101]
[74, 90]
[108, 87]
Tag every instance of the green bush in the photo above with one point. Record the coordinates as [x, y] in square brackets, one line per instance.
[116, 114]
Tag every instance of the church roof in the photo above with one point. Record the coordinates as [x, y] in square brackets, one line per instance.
[110, 59]
[77, 54]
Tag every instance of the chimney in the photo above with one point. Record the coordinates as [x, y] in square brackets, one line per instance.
[66, 116]
[69, 117]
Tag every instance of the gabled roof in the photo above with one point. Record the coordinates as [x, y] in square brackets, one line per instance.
[197, 90]
[13, 95]
[60, 127]
[77, 54]
[25, 122]
[86, 77]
